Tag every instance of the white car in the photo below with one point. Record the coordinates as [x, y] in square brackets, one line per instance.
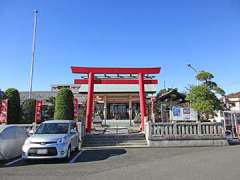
[53, 139]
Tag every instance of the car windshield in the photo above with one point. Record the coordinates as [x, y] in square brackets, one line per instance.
[53, 128]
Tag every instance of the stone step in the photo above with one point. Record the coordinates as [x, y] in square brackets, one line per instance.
[112, 140]
[115, 136]
[115, 144]
[115, 141]
[97, 140]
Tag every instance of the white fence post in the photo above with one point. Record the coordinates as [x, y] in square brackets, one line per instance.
[174, 128]
[199, 129]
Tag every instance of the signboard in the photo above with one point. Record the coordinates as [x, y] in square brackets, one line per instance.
[183, 114]
[38, 111]
[75, 105]
[3, 111]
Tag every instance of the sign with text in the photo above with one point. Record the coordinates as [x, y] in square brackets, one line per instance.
[183, 114]
[75, 105]
[3, 111]
[38, 108]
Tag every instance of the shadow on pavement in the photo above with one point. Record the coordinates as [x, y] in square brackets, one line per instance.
[39, 161]
[86, 156]
[3, 162]
[99, 154]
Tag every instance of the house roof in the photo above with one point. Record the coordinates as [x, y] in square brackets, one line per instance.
[173, 95]
[234, 95]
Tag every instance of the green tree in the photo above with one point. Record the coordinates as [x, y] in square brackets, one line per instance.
[203, 98]
[206, 78]
[28, 111]
[50, 107]
[64, 105]
[14, 110]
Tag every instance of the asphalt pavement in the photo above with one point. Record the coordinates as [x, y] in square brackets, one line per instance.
[220, 163]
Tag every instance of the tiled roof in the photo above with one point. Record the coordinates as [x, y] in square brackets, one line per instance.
[234, 95]
[41, 95]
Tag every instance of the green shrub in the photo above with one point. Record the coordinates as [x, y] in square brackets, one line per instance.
[64, 105]
[28, 111]
[50, 107]
[14, 110]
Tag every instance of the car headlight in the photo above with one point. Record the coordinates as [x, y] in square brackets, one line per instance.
[27, 141]
[62, 141]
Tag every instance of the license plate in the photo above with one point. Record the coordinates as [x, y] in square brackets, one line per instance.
[42, 151]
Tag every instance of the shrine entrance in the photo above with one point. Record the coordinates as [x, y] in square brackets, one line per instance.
[116, 104]
[118, 111]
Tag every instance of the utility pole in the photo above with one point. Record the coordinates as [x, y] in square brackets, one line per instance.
[33, 51]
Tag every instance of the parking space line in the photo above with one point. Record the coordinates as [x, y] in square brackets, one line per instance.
[14, 161]
[76, 157]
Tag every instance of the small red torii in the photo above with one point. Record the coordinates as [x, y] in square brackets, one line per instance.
[91, 71]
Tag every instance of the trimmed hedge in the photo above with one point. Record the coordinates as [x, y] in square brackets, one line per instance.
[28, 111]
[14, 111]
[64, 105]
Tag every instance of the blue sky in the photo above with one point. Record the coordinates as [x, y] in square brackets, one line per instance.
[135, 33]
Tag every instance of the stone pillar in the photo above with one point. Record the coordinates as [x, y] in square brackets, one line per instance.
[93, 107]
[130, 110]
[152, 112]
[105, 109]
[175, 128]
[199, 128]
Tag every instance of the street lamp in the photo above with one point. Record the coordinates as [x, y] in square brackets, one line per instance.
[194, 69]
[33, 51]
[191, 67]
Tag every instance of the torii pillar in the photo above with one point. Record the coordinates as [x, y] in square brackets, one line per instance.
[90, 102]
[142, 99]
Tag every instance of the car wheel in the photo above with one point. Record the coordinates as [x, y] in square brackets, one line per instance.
[78, 146]
[68, 153]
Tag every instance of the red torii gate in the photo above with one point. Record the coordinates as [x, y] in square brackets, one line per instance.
[91, 71]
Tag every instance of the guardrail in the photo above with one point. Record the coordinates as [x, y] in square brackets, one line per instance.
[189, 130]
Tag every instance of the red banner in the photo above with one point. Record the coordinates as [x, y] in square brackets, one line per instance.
[38, 111]
[3, 111]
[238, 129]
[75, 104]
